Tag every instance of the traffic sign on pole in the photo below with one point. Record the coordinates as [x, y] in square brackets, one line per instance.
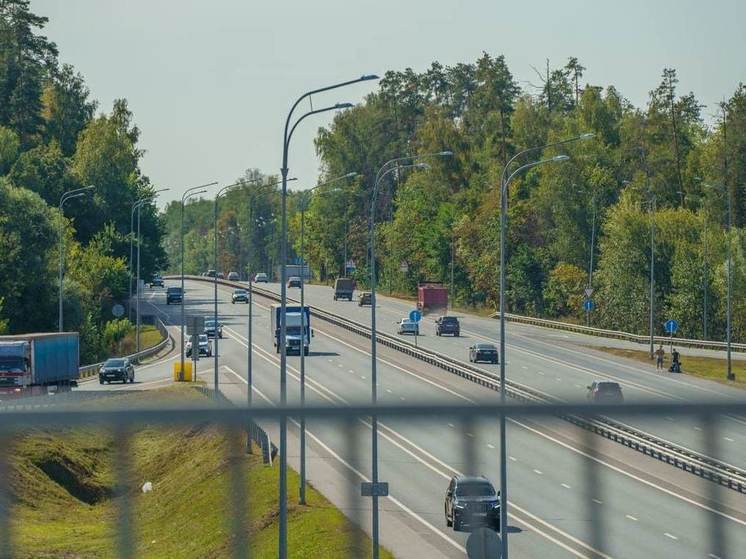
[588, 305]
[671, 326]
[588, 292]
[415, 315]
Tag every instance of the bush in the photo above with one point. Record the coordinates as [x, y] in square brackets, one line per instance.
[115, 332]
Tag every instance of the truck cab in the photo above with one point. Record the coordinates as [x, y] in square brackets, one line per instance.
[298, 333]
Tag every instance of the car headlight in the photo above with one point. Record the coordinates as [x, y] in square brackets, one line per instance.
[459, 506]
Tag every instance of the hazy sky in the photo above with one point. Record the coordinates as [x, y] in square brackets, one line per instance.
[210, 81]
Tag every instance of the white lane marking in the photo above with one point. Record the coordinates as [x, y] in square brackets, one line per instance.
[388, 390]
[598, 502]
[670, 536]
[630, 517]
[698, 428]
[729, 439]
[451, 425]
[444, 475]
[539, 372]
[471, 435]
[713, 556]
[538, 472]
[513, 458]
[524, 367]
[351, 371]
[362, 377]
[489, 445]
[565, 486]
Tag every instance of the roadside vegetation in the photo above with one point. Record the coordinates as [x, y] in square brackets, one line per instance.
[62, 485]
[53, 139]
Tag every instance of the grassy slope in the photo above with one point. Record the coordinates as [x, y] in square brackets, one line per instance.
[185, 515]
[704, 367]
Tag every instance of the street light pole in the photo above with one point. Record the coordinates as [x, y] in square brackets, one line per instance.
[77, 193]
[652, 275]
[373, 342]
[288, 133]
[193, 191]
[304, 333]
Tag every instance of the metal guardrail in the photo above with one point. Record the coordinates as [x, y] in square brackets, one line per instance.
[92, 370]
[351, 420]
[617, 334]
[701, 465]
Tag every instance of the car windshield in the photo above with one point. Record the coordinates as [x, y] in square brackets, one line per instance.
[174, 289]
[203, 338]
[239, 292]
[475, 489]
[608, 387]
[209, 323]
[114, 363]
[485, 347]
[449, 320]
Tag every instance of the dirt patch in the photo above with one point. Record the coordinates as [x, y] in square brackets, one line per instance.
[74, 478]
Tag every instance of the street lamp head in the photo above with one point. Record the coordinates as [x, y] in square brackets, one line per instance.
[350, 175]
[422, 166]
[446, 153]
[561, 158]
[587, 135]
[368, 77]
[343, 106]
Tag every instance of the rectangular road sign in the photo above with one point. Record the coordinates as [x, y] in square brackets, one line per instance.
[195, 325]
[369, 489]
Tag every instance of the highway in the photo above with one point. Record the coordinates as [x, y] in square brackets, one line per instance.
[647, 509]
[560, 365]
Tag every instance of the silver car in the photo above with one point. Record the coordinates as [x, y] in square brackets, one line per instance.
[406, 326]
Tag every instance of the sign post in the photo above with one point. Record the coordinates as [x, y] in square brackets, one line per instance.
[671, 326]
[588, 305]
[195, 327]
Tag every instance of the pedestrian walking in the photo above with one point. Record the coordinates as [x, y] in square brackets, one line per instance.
[660, 353]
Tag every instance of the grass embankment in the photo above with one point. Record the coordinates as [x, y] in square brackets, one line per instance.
[63, 485]
[149, 337]
[711, 368]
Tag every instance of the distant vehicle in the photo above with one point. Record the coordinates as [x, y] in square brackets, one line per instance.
[294, 281]
[605, 392]
[483, 352]
[447, 325]
[205, 346]
[431, 297]
[261, 277]
[119, 368]
[296, 336]
[221, 275]
[472, 502]
[233, 276]
[210, 328]
[240, 296]
[343, 288]
[210, 273]
[157, 281]
[31, 363]
[364, 298]
[174, 295]
[407, 326]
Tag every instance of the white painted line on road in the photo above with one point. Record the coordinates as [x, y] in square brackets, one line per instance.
[670, 536]
[539, 372]
[451, 425]
[713, 556]
[489, 445]
[698, 428]
[729, 439]
[362, 377]
[538, 472]
[630, 517]
[351, 372]
[470, 435]
[402, 398]
[513, 458]
[388, 390]
[598, 502]
[524, 367]
[565, 486]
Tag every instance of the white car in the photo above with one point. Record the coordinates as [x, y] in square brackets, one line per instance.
[261, 277]
[205, 346]
[407, 326]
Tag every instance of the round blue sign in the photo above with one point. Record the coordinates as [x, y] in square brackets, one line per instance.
[415, 315]
[671, 326]
[588, 305]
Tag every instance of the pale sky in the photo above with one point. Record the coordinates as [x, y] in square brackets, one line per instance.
[210, 81]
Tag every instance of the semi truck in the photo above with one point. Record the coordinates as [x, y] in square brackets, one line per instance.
[343, 288]
[30, 363]
[297, 328]
[431, 297]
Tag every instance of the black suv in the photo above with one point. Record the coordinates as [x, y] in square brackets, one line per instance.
[605, 392]
[117, 369]
[447, 325]
[173, 295]
[365, 298]
[472, 502]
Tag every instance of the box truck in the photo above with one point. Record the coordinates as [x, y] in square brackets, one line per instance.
[297, 328]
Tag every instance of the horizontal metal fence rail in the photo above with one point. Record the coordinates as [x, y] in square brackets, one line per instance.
[124, 422]
[92, 370]
[707, 467]
[619, 335]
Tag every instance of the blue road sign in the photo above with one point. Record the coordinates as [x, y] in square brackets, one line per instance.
[415, 315]
[588, 305]
[671, 326]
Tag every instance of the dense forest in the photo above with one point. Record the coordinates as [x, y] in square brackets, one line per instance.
[52, 141]
[670, 167]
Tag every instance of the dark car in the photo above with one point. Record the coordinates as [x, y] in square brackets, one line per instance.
[210, 328]
[483, 352]
[210, 273]
[294, 281]
[157, 281]
[174, 295]
[472, 502]
[605, 392]
[240, 296]
[447, 325]
[120, 369]
[233, 276]
[364, 299]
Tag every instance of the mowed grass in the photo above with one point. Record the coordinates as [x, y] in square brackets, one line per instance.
[62, 484]
[704, 367]
[149, 337]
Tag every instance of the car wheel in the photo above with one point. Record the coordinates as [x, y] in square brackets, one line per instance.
[100, 380]
[456, 524]
[132, 379]
[449, 521]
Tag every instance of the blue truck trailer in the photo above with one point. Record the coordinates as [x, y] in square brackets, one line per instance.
[31, 362]
[297, 328]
